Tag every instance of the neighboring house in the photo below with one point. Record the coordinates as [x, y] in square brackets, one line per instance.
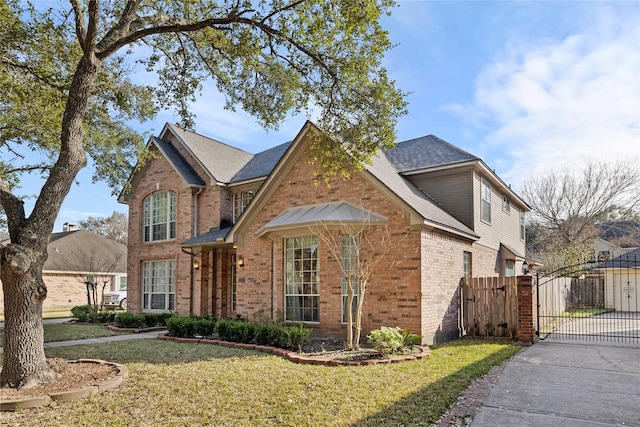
[219, 231]
[622, 281]
[616, 238]
[75, 257]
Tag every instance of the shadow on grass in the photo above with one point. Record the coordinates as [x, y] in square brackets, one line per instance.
[426, 406]
[153, 351]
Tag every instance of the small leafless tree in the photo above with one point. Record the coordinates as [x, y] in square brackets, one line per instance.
[566, 204]
[358, 248]
[98, 265]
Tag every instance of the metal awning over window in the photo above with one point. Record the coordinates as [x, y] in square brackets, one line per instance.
[332, 214]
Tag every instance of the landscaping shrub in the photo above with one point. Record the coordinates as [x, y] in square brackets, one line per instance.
[243, 331]
[386, 340]
[223, 329]
[84, 313]
[81, 313]
[181, 326]
[102, 317]
[130, 320]
[272, 335]
[190, 326]
[298, 336]
[204, 326]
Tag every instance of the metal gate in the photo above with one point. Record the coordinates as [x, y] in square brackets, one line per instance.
[590, 301]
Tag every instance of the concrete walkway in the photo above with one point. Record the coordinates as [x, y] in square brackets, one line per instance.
[556, 383]
[123, 337]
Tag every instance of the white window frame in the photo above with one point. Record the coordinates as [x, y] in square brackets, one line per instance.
[349, 265]
[485, 200]
[466, 264]
[510, 268]
[240, 202]
[522, 227]
[506, 204]
[119, 279]
[159, 217]
[302, 279]
[158, 279]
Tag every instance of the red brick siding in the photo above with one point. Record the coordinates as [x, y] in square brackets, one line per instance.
[393, 297]
[159, 175]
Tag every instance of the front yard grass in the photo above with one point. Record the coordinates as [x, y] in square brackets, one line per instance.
[195, 384]
[54, 332]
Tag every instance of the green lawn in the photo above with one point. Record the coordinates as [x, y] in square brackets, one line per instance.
[174, 384]
[61, 332]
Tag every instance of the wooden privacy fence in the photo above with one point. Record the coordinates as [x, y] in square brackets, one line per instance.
[490, 307]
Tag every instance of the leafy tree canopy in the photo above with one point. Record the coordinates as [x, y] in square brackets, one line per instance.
[67, 93]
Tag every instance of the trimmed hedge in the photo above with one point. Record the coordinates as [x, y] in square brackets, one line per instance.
[294, 337]
[139, 321]
[84, 313]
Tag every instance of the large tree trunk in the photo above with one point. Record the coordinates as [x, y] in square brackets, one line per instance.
[24, 362]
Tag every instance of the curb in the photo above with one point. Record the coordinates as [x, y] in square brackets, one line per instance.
[294, 357]
[70, 395]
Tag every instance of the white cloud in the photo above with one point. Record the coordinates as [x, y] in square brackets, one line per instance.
[558, 103]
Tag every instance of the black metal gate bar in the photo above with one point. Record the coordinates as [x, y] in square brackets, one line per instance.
[591, 301]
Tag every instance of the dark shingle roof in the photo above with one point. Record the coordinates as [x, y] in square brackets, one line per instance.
[262, 163]
[179, 163]
[628, 260]
[426, 152]
[211, 236]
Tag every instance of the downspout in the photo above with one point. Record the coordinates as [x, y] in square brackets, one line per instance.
[273, 248]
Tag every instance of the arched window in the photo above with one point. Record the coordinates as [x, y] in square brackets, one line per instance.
[159, 213]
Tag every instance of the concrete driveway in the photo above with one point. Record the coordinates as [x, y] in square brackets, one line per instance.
[555, 383]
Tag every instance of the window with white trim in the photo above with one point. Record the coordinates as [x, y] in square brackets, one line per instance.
[466, 264]
[159, 216]
[241, 201]
[301, 279]
[485, 203]
[158, 285]
[522, 227]
[121, 283]
[506, 204]
[349, 274]
[510, 270]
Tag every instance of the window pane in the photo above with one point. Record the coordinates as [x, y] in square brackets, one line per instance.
[158, 278]
[301, 279]
[159, 216]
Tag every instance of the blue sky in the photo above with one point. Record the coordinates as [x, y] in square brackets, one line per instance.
[525, 85]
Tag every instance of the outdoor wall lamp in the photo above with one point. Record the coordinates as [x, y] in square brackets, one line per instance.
[196, 265]
[525, 267]
[240, 261]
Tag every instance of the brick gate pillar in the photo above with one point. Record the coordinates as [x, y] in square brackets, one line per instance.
[526, 332]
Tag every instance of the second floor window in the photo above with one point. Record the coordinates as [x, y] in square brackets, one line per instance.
[522, 227]
[240, 202]
[159, 213]
[485, 203]
[506, 204]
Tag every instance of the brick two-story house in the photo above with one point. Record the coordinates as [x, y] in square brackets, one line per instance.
[216, 230]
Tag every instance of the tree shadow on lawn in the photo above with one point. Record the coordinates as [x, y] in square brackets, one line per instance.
[427, 405]
[153, 351]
